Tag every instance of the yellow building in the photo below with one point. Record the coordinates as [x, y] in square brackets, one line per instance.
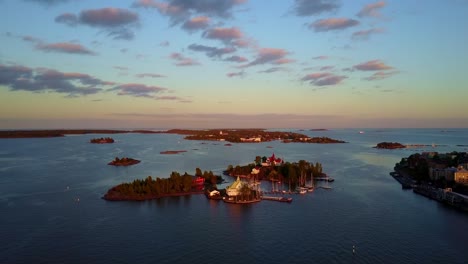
[461, 176]
[234, 188]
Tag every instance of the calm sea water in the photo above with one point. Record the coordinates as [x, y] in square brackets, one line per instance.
[51, 209]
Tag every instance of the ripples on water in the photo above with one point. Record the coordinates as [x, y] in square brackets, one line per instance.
[51, 211]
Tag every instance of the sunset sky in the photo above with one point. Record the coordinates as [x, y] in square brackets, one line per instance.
[233, 63]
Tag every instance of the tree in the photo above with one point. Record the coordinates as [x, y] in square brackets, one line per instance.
[198, 172]
[258, 160]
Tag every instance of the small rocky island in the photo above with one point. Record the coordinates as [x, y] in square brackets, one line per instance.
[106, 140]
[172, 152]
[390, 145]
[123, 161]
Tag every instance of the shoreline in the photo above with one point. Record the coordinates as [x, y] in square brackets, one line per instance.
[148, 197]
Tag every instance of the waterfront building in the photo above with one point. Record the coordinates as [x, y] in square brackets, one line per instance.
[234, 188]
[272, 161]
[461, 176]
[442, 173]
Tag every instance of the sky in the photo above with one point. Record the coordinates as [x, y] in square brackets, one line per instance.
[233, 63]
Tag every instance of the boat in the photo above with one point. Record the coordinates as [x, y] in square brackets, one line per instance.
[302, 190]
[213, 195]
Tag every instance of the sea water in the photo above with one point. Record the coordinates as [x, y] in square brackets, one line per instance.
[51, 209]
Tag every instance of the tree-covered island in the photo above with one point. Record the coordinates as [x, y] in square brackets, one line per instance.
[250, 136]
[293, 174]
[390, 145]
[123, 161]
[102, 140]
[175, 185]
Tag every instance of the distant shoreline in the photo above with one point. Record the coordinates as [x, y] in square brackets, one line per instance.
[64, 132]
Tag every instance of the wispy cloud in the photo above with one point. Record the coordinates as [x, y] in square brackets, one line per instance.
[273, 69]
[270, 56]
[117, 22]
[60, 47]
[68, 19]
[235, 74]
[64, 47]
[138, 90]
[211, 51]
[164, 44]
[380, 75]
[323, 79]
[196, 23]
[372, 10]
[48, 2]
[329, 24]
[314, 7]
[182, 60]
[373, 65]
[151, 75]
[20, 78]
[320, 57]
[236, 58]
[365, 34]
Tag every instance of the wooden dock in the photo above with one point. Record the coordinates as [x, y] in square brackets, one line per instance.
[277, 199]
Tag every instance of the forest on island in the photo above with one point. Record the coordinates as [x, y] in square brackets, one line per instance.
[297, 173]
[149, 187]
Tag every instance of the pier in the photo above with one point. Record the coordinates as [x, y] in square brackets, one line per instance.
[277, 199]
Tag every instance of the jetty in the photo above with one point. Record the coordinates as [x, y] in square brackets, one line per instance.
[277, 199]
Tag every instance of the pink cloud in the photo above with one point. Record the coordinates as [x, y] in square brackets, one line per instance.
[65, 47]
[183, 61]
[380, 75]
[270, 56]
[196, 23]
[373, 65]
[108, 17]
[117, 22]
[226, 35]
[323, 79]
[333, 24]
[365, 34]
[372, 10]
[235, 74]
[138, 90]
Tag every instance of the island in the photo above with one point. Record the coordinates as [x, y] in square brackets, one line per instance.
[123, 161]
[106, 140]
[254, 135]
[250, 136]
[439, 176]
[390, 145]
[172, 152]
[175, 185]
[293, 175]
